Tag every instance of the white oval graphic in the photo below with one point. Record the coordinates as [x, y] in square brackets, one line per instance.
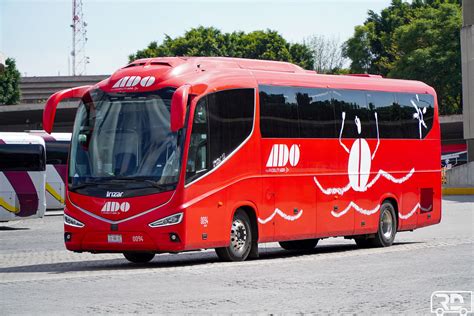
[294, 155]
[359, 164]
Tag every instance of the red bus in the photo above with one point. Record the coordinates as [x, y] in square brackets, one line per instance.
[179, 154]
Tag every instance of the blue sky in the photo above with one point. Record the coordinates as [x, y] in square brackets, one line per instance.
[37, 33]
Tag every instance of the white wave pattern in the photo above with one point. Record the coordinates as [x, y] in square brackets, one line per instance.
[381, 173]
[376, 209]
[282, 214]
[357, 208]
[410, 214]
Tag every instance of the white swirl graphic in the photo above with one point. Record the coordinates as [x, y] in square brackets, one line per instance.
[282, 214]
[381, 173]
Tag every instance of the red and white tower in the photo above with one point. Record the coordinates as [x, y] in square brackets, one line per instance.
[79, 40]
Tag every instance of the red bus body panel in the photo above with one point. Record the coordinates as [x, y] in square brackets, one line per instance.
[297, 201]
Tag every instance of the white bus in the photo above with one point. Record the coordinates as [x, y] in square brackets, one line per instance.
[57, 150]
[22, 176]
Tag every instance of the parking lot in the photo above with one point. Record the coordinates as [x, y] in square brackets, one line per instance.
[37, 274]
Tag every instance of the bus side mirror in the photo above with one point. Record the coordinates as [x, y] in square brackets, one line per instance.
[50, 109]
[179, 102]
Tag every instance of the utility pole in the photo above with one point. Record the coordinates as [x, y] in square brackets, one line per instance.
[79, 40]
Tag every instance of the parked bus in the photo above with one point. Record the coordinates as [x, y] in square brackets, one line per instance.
[22, 176]
[57, 149]
[178, 154]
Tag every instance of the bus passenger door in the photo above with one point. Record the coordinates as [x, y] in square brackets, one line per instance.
[266, 218]
[289, 196]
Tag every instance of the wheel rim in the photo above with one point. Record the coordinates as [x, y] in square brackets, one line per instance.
[386, 224]
[238, 237]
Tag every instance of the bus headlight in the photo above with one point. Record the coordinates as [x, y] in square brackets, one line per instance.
[71, 221]
[167, 221]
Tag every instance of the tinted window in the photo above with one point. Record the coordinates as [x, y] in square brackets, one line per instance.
[222, 121]
[278, 112]
[231, 115]
[354, 104]
[291, 112]
[388, 114]
[316, 113]
[198, 162]
[416, 114]
[56, 153]
[19, 157]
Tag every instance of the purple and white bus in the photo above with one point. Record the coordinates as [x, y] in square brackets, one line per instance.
[57, 150]
[22, 176]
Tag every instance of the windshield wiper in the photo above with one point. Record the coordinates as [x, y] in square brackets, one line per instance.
[151, 182]
[84, 184]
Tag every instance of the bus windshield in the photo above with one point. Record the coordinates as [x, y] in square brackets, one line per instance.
[124, 140]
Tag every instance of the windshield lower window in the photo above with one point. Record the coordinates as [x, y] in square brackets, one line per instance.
[123, 142]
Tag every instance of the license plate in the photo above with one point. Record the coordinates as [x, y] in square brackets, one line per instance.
[114, 238]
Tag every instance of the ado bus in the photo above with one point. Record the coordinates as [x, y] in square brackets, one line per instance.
[177, 154]
[57, 149]
[22, 176]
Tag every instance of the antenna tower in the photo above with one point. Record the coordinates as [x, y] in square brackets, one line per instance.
[79, 40]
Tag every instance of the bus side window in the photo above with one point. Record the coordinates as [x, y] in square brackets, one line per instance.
[388, 114]
[416, 109]
[231, 115]
[354, 104]
[316, 113]
[56, 152]
[198, 162]
[278, 112]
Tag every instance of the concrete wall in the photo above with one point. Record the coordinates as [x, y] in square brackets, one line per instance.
[462, 175]
[467, 61]
[39, 89]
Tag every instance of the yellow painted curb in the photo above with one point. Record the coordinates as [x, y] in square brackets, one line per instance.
[458, 191]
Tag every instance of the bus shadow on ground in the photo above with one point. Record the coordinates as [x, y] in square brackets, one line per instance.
[176, 260]
[10, 228]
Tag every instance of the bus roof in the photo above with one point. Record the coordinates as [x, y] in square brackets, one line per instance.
[20, 138]
[50, 137]
[207, 74]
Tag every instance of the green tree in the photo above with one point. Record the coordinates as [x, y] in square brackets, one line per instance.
[417, 40]
[9, 83]
[209, 41]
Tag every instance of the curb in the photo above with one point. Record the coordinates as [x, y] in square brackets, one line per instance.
[458, 191]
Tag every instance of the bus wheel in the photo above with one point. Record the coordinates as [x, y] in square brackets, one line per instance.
[387, 226]
[139, 257]
[386, 231]
[240, 239]
[306, 244]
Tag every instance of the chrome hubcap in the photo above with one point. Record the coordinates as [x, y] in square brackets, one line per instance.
[386, 224]
[238, 236]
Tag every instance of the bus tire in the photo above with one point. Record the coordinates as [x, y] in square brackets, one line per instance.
[306, 244]
[139, 257]
[386, 231]
[240, 239]
[387, 226]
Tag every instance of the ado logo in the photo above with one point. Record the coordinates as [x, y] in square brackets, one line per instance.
[132, 81]
[115, 207]
[280, 155]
